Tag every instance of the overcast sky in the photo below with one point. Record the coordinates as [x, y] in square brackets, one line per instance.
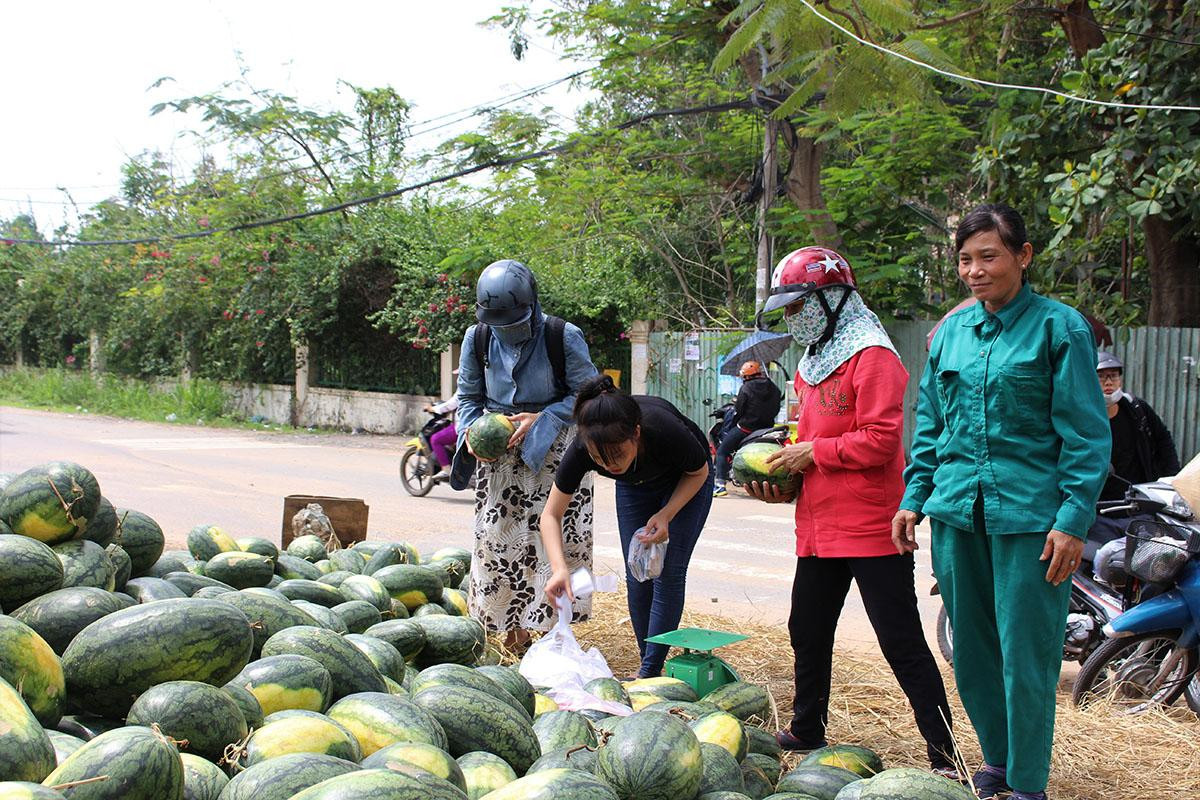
[77, 76]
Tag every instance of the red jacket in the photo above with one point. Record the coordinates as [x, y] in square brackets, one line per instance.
[855, 420]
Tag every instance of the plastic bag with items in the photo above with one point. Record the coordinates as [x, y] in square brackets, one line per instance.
[646, 560]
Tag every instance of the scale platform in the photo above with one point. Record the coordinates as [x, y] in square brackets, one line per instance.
[697, 666]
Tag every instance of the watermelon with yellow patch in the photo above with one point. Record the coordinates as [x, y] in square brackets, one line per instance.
[489, 435]
[51, 502]
[29, 664]
[750, 465]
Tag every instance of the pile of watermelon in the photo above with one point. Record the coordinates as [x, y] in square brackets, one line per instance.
[236, 671]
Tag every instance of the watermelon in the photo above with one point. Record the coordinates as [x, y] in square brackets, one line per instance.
[455, 603]
[430, 609]
[206, 541]
[240, 569]
[351, 671]
[451, 640]
[608, 689]
[287, 681]
[404, 782]
[552, 784]
[322, 616]
[102, 528]
[724, 729]
[405, 635]
[358, 615]
[562, 730]
[460, 554]
[662, 688]
[23, 790]
[514, 682]
[458, 675]
[210, 592]
[26, 753]
[581, 758]
[484, 772]
[756, 784]
[140, 537]
[300, 733]
[308, 547]
[743, 700]
[170, 561]
[740, 796]
[488, 436]
[367, 588]
[311, 591]
[750, 464]
[121, 655]
[189, 582]
[853, 791]
[122, 565]
[411, 584]
[379, 720]
[64, 744]
[387, 555]
[29, 664]
[770, 766]
[202, 779]
[474, 720]
[721, 772]
[433, 760]
[902, 782]
[690, 711]
[820, 780]
[334, 579]
[348, 561]
[138, 764]
[260, 546]
[651, 756]
[247, 703]
[200, 714]
[28, 568]
[386, 658]
[449, 570]
[268, 614]
[282, 777]
[88, 726]
[51, 502]
[859, 760]
[151, 590]
[289, 567]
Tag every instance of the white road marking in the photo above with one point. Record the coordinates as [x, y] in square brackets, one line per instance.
[203, 443]
[789, 521]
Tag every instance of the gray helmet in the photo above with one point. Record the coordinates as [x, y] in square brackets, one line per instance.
[505, 294]
[1109, 564]
[1106, 360]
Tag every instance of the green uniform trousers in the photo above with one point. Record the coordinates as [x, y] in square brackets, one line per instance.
[1008, 625]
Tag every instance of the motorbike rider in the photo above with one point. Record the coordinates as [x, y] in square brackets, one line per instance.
[1142, 447]
[442, 443]
[756, 406]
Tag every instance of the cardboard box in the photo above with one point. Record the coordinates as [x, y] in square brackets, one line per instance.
[348, 515]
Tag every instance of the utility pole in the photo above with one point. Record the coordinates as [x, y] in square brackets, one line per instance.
[762, 281]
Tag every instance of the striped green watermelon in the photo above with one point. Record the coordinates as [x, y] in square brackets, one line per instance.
[474, 720]
[770, 766]
[433, 760]
[449, 570]
[455, 603]
[322, 616]
[289, 568]
[724, 729]
[351, 671]
[386, 555]
[64, 744]
[138, 763]
[553, 784]
[29, 664]
[581, 758]
[750, 464]
[386, 658]
[514, 682]
[689, 710]
[365, 587]
[405, 635]
[24, 790]
[121, 655]
[240, 570]
[26, 753]
[247, 703]
[102, 528]
[358, 615]
[311, 591]
[255, 544]
[652, 756]
[170, 561]
[189, 582]
[88, 726]
[122, 565]
[451, 640]
[488, 436]
[140, 537]
[904, 782]
[721, 771]
[466, 677]
[202, 715]
[212, 592]
[404, 782]
[853, 791]
[755, 782]
[28, 568]
[395, 687]
[608, 689]
[300, 733]
[428, 609]
[202, 779]
[282, 777]
[740, 796]
[152, 590]
[378, 720]
[743, 700]
[348, 560]
[287, 681]
[484, 772]
[335, 578]
[51, 502]
[206, 540]
[268, 614]
[308, 547]
[820, 780]
[411, 584]
[859, 760]
[561, 730]
[399, 610]
[460, 554]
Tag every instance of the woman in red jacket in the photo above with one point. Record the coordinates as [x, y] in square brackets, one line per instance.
[850, 386]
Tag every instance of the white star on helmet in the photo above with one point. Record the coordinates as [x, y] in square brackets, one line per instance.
[831, 264]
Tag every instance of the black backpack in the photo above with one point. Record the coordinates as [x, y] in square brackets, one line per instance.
[555, 327]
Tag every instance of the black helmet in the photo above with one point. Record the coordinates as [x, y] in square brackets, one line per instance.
[505, 294]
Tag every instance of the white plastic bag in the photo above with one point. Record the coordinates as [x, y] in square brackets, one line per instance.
[645, 560]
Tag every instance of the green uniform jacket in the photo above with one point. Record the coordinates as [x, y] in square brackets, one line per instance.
[1010, 407]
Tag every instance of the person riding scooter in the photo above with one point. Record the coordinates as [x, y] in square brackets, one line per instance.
[442, 443]
[756, 406]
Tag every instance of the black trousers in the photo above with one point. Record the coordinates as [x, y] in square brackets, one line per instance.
[889, 594]
[730, 442]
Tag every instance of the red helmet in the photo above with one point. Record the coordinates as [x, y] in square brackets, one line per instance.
[804, 271]
[750, 369]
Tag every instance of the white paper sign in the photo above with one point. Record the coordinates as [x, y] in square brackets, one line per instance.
[691, 347]
[675, 366]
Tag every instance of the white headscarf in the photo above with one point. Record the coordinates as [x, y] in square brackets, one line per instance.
[857, 329]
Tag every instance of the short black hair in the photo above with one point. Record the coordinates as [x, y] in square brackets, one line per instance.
[1004, 220]
[606, 417]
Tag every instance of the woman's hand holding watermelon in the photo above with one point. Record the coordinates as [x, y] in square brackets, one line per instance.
[769, 492]
[523, 422]
[795, 458]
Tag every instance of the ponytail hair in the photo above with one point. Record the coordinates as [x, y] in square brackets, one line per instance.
[606, 417]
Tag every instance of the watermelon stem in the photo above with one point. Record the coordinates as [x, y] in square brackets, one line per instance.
[61, 786]
[233, 753]
[66, 506]
[579, 747]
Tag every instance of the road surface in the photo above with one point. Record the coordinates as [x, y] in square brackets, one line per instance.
[237, 479]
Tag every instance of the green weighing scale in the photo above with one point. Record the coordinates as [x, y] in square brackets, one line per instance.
[696, 665]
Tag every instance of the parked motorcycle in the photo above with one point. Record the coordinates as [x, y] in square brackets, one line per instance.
[419, 470]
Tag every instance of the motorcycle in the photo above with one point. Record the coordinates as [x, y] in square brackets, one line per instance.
[724, 417]
[419, 470]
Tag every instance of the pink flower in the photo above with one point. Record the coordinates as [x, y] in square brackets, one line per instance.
[433, 307]
[259, 343]
[215, 261]
[443, 277]
[70, 359]
[203, 279]
[227, 314]
[259, 311]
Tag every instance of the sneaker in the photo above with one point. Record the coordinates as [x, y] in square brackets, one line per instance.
[949, 772]
[990, 782]
[443, 474]
[788, 742]
[720, 491]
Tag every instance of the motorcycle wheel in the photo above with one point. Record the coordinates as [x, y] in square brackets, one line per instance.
[945, 636]
[1192, 694]
[416, 472]
[1125, 672]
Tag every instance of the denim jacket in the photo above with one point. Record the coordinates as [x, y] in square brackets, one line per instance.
[521, 378]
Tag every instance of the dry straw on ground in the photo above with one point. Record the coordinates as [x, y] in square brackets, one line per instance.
[1098, 754]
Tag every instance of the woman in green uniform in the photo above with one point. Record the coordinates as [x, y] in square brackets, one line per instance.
[1009, 453]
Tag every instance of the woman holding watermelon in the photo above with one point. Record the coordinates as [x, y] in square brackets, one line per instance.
[850, 388]
[660, 461]
[527, 366]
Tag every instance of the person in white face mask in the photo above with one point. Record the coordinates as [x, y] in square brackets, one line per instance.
[1142, 447]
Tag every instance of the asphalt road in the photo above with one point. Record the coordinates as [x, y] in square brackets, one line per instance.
[185, 475]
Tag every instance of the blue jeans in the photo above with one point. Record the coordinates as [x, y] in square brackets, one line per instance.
[655, 606]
